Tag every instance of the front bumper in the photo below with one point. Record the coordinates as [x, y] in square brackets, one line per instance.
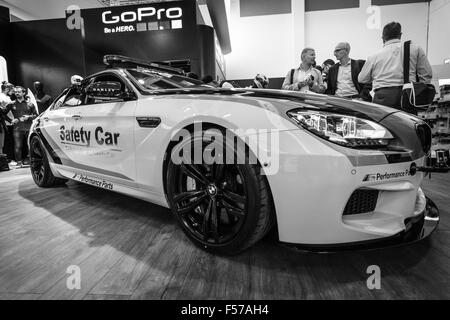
[417, 228]
[314, 182]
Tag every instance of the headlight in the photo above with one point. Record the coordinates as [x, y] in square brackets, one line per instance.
[345, 130]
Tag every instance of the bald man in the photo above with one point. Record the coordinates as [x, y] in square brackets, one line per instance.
[343, 76]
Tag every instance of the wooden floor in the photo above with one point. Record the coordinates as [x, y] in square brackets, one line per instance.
[130, 249]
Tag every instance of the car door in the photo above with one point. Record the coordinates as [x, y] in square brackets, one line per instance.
[101, 134]
[150, 133]
[53, 123]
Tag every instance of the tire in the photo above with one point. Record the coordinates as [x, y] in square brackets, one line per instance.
[40, 167]
[222, 208]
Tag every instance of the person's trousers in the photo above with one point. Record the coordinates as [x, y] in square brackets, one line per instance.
[388, 96]
[20, 143]
[2, 139]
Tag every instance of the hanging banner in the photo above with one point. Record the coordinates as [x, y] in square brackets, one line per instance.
[154, 16]
[156, 31]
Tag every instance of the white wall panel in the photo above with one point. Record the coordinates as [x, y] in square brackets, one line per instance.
[262, 43]
[324, 29]
[439, 40]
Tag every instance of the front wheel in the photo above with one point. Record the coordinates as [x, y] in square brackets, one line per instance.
[40, 167]
[223, 208]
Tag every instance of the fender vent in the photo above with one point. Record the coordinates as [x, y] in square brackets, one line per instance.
[148, 122]
[361, 201]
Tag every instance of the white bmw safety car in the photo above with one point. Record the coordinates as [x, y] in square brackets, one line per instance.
[324, 172]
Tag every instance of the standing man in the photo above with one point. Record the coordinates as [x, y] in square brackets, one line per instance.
[343, 76]
[385, 68]
[23, 113]
[43, 100]
[305, 77]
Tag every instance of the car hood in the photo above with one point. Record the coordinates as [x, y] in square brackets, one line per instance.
[327, 103]
[281, 101]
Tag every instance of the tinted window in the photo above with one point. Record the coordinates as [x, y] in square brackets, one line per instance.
[74, 97]
[155, 80]
[151, 81]
[60, 100]
[186, 82]
[110, 77]
[106, 78]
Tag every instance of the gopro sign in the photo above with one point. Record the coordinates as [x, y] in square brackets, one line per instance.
[142, 13]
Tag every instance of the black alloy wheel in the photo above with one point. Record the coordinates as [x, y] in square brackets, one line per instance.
[223, 208]
[39, 166]
[37, 161]
[211, 201]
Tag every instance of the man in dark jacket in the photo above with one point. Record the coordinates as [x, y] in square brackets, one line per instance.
[24, 113]
[343, 76]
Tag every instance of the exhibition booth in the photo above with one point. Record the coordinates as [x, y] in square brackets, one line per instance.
[53, 50]
[224, 150]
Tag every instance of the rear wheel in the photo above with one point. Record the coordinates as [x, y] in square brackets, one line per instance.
[223, 208]
[40, 167]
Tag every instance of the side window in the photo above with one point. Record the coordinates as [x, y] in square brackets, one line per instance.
[162, 84]
[105, 88]
[74, 97]
[151, 80]
[59, 101]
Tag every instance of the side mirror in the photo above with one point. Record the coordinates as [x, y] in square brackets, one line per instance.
[108, 90]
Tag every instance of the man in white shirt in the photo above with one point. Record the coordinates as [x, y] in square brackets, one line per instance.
[343, 76]
[385, 68]
[305, 77]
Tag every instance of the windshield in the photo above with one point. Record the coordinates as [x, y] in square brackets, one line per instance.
[157, 80]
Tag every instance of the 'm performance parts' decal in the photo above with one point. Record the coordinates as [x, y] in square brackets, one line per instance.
[386, 176]
[94, 182]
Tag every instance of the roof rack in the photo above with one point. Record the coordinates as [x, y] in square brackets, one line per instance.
[112, 60]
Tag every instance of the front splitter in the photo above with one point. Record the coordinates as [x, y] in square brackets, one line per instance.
[418, 228]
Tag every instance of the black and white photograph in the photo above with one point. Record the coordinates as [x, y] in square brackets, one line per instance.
[223, 156]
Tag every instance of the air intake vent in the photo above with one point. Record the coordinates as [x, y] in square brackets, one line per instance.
[361, 201]
[424, 134]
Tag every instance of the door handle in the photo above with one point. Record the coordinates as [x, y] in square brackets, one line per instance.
[45, 118]
[77, 116]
